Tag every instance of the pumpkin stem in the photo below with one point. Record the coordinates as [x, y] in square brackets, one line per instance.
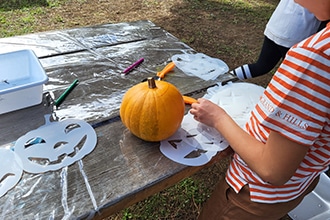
[151, 83]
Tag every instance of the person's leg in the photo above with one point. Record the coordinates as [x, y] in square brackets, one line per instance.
[270, 55]
[226, 204]
[283, 51]
[217, 206]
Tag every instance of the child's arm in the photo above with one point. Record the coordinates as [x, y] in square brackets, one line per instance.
[275, 161]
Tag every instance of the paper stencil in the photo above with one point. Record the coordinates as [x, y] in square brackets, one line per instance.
[55, 145]
[238, 100]
[200, 65]
[50, 147]
[194, 144]
[10, 170]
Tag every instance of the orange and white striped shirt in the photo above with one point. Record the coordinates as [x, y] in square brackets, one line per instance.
[296, 104]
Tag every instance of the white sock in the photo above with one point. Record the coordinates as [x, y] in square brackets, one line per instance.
[242, 72]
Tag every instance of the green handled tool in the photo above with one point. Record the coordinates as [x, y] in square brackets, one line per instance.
[60, 99]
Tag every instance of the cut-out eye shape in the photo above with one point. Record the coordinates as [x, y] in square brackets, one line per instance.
[71, 127]
[7, 175]
[33, 141]
[59, 144]
[173, 143]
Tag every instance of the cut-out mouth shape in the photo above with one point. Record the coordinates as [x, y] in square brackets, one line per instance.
[195, 153]
[62, 157]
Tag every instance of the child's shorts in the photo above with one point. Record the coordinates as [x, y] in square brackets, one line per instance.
[225, 203]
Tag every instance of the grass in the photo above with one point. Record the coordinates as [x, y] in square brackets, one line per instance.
[192, 193]
[18, 17]
[229, 29]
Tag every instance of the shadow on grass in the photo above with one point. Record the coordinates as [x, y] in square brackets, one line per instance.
[228, 30]
[7, 5]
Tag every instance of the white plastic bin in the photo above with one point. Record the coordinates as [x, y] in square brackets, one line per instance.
[21, 80]
[316, 205]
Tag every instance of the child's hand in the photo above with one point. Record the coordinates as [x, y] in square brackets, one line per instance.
[206, 112]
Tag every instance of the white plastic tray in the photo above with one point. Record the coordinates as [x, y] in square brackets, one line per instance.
[21, 80]
[316, 205]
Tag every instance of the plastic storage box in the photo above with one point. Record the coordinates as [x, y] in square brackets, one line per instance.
[316, 205]
[21, 80]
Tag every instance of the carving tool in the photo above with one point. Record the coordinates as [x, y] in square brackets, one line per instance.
[134, 65]
[160, 75]
[60, 99]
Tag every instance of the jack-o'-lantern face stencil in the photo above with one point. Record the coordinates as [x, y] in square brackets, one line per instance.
[194, 144]
[10, 171]
[55, 145]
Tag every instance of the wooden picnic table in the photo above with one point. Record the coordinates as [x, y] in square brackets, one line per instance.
[122, 169]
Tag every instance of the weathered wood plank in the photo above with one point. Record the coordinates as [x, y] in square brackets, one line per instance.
[17, 123]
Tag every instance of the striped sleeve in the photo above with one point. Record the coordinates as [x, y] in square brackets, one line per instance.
[297, 99]
[296, 104]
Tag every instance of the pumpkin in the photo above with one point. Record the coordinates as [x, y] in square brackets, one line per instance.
[152, 110]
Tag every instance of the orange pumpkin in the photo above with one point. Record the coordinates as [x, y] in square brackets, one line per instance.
[152, 110]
